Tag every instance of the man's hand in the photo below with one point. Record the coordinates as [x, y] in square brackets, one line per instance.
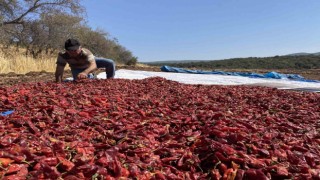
[82, 75]
[59, 73]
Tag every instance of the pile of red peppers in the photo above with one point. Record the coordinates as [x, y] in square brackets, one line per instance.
[157, 129]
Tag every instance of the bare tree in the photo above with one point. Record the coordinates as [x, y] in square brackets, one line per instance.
[96, 41]
[48, 34]
[19, 11]
[43, 25]
[57, 30]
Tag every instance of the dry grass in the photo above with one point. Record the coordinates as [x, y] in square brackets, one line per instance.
[16, 61]
[22, 65]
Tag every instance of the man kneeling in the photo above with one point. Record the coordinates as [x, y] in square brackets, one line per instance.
[81, 61]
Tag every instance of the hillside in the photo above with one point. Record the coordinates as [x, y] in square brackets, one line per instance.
[304, 54]
[276, 62]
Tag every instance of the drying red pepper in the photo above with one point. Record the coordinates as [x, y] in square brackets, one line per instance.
[157, 129]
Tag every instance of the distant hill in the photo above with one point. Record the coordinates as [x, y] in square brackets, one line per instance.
[174, 61]
[304, 54]
[189, 61]
[290, 61]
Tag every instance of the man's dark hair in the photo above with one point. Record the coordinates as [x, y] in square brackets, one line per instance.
[71, 44]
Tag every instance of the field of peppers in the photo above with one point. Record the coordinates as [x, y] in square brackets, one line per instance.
[157, 129]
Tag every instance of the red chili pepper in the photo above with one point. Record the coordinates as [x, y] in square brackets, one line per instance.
[229, 174]
[65, 164]
[223, 168]
[240, 174]
[124, 173]
[51, 161]
[221, 157]
[84, 114]
[168, 159]
[33, 128]
[215, 174]
[5, 162]
[14, 168]
[255, 174]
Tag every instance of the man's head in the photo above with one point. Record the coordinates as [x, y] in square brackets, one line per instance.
[71, 44]
[73, 47]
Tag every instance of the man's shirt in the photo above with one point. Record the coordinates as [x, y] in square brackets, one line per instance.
[82, 61]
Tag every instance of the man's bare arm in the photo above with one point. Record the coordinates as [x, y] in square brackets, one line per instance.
[91, 67]
[59, 73]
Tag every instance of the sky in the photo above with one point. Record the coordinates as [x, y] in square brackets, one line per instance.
[160, 30]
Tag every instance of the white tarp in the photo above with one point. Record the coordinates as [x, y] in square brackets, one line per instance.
[211, 79]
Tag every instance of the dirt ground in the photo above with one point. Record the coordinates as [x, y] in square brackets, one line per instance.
[12, 78]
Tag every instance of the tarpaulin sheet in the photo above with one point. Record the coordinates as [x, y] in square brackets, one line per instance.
[273, 75]
[6, 113]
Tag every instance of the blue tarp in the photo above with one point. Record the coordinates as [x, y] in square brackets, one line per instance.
[6, 113]
[273, 75]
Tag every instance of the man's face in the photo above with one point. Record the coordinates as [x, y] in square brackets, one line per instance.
[74, 53]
